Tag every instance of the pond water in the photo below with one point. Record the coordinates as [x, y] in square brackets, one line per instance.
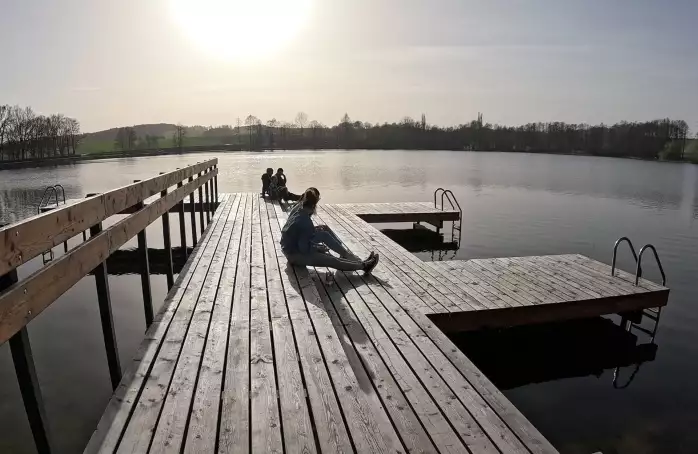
[514, 204]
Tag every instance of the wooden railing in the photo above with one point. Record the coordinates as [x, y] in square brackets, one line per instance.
[21, 301]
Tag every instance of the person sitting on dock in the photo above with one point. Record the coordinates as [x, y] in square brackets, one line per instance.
[279, 191]
[266, 181]
[281, 177]
[304, 245]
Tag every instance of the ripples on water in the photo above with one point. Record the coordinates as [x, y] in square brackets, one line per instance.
[514, 204]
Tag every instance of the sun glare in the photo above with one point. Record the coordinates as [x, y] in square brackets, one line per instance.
[241, 29]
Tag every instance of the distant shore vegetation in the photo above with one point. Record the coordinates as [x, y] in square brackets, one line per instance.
[24, 135]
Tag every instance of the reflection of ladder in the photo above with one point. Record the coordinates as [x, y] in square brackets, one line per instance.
[651, 313]
[45, 204]
[455, 225]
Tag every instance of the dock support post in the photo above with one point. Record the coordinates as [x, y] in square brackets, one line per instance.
[168, 244]
[182, 225]
[192, 202]
[23, 360]
[201, 207]
[208, 203]
[105, 314]
[145, 272]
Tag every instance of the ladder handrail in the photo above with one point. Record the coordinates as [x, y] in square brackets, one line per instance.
[451, 199]
[44, 200]
[615, 251]
[62, 191]
[435, 193]
[639, 263]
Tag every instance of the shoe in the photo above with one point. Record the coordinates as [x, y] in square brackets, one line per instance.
[370, 263]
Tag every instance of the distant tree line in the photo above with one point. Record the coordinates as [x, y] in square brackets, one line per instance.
[26, 135]
[665, 138]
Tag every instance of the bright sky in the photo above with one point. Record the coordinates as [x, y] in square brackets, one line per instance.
[112, 63]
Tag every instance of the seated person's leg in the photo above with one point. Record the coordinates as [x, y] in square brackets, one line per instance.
[329, 239]
[326, 260]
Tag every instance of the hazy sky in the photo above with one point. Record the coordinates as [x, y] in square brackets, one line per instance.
[113, 63]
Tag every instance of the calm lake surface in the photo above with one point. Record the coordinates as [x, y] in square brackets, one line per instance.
[514, 204]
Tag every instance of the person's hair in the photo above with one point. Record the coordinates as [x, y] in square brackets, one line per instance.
[310, 199]
[280, 170]
[270, 170]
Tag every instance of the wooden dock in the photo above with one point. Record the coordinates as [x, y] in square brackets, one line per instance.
[249, 354]
[252, 355]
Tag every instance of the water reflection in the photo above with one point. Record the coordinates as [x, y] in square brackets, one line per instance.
[514, 204]
[520, 356]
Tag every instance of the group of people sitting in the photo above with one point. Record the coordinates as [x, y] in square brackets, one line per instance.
[274, 186]
[304, 243]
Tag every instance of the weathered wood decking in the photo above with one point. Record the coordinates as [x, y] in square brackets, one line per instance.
[252, 355]
[401, 212]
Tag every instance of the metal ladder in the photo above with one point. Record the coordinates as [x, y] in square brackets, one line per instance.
[651, 313]
[47, 256]
[451, 198]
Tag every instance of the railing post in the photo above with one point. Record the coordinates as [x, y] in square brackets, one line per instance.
[182, 226]
[26, 377]
[208, 203]
[201, 206]
[215, 184]
[105, 315]
[192, 204]
[168, 243]
[145, 272]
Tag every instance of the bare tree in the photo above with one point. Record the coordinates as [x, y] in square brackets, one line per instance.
[4, 122]
[301, 120]
[180, 134]
[250, 122]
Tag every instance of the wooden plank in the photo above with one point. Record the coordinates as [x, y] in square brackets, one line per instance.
[532, 275]
[590, 282]
[367, 420]
[234, 433]
[620, 274]
[509, 280]
[24, 240]
[141, 426]
[513, 419]
[408, 403]
[425, 302]
[491, 282]
[330, 426]
[296, 420]
[106, 436]
[425, 284]
[424, 276]
[23, 301]
[479, 286]
[392, 300]
[450, 422]
[202, 428]
[546, 269]
[172, 422]
[265, 420]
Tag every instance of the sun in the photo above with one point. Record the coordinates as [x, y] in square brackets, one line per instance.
[241, 29]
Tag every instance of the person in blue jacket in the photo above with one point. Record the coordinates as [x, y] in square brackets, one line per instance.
[306, 245]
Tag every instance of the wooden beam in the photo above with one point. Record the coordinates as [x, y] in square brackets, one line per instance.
[22, 241]
[105, 314]
[25, 300]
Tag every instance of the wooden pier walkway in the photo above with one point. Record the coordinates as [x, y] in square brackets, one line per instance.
[249, 354]
[252, 355]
